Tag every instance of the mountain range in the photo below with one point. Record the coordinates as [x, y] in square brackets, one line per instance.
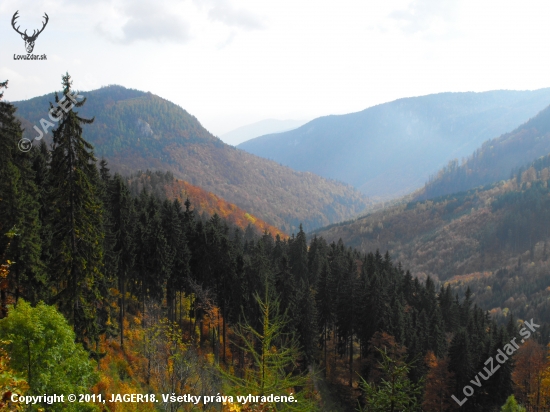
[494, 239]
[267, 126]
[495, 160]
[392, 149]
[134, 130]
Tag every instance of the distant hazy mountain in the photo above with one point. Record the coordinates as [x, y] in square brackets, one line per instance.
[135, 131]
[494, 160]
[393, 148]
[250, 131]
[494, 239]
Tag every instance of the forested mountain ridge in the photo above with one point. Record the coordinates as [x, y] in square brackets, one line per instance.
[205, 204]
[135, 131]
[494, 160]
[391, 149]
[494, 239]
[143, 296]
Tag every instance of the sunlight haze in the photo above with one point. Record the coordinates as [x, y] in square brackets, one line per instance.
[235, 62]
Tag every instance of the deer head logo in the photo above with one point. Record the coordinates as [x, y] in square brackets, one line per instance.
[29, 40]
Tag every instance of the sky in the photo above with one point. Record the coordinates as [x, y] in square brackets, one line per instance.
[236, 62]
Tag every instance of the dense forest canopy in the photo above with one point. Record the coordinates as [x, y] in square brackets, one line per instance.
[152, 297]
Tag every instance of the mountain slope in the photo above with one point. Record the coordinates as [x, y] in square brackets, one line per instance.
[495, 240]
[260, 128]
[135, 131]
[392, 149]
[165, 186]
[494, 160]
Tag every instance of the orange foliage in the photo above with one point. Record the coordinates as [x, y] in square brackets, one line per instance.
[383, 341]
[528, 374]
[458, 279]
[438, 393]
[120, 375]
[202, 200]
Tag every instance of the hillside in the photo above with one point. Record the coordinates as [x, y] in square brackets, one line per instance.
[165, 186]
[494, 160]
[135, 131]
[391, 149]
[495, 240]
[251, 131]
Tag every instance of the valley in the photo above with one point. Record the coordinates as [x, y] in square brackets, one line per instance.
[210, 255]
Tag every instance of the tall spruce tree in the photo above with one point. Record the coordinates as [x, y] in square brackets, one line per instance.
[123, 227]
[19, 210]
[76, 221]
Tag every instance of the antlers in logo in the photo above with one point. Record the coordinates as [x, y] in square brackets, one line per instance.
[29, 40]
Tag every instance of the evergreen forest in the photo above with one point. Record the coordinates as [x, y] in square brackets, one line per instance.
[109, 286]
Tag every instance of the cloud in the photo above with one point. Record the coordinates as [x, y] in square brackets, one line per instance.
[145, 20]
[420, 15]
[227, 41]
[128, 21]
[230, 16]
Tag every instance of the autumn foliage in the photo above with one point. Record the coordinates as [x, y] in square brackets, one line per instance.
[208, 202]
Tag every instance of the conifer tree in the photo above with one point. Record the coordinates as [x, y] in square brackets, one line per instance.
[325, 305]
[123, 228]
[41, 167]
[460, 360]
[512, 405]
[173, 232]
[19, 210]
[153, 256]
[76, 221]
[395, 392]
[306, 319]
[298, 256]
[273, 356]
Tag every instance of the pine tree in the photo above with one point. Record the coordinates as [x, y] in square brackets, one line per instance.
[76, 222]
[41, 167]
[298, 256]
[306, 320]
[460, 360]
[395, 392]
[19, 210]
[273, 356]
[123, 227]
[512, 405]
[153, 256]
[324, 299]
[28, 269]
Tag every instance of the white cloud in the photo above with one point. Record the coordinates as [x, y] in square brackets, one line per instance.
[230, 16]
[421, 15]
[145, 20]
[171, 21]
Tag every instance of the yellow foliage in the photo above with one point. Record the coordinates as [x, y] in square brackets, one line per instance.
[9, 383]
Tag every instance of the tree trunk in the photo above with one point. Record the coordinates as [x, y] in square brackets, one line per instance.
[351, 361]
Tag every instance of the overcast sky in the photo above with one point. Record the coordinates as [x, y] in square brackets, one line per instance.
[234, 62]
